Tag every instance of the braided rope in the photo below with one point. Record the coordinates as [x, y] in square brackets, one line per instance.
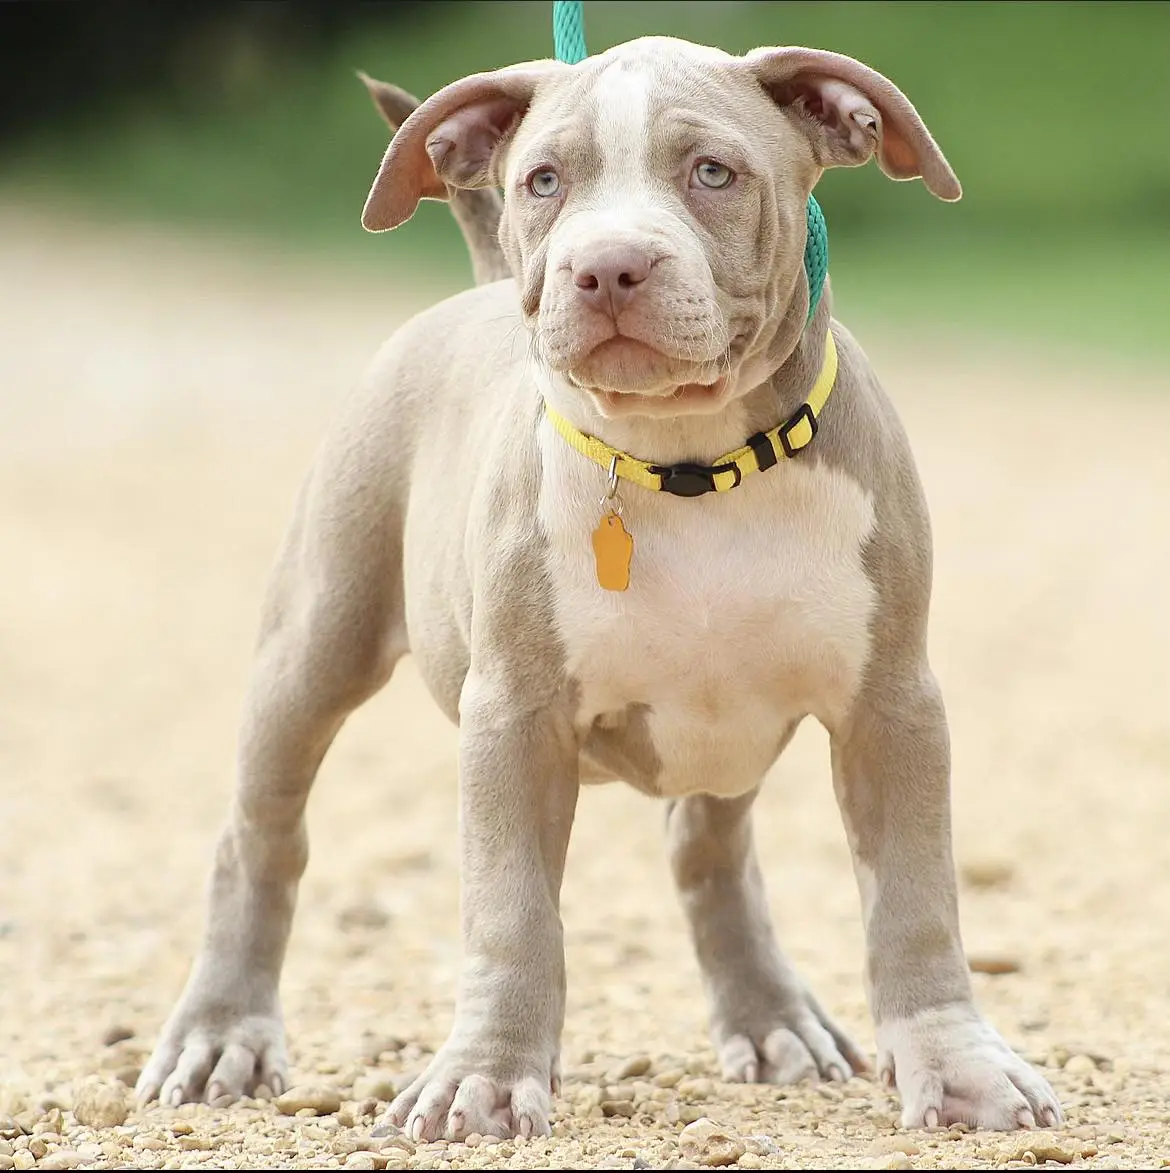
[569, 31]
[569, 44]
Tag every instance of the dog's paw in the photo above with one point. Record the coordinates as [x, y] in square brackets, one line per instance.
[454, 1098]
[790, 1046]
[952, 1067]
[214, 1057]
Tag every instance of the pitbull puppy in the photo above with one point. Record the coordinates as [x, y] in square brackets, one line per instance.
[654, 224]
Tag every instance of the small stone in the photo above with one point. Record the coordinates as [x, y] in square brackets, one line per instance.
[992, 963]
[9, 1128]
[363, 1161]
[632, 1067]
[987, 873]
[375, 1046]
[116, 1033]
[5, 1148]
[99, 1105]
[23, 1159]
[38, 1146]
[1045, 1151]
[194, 1144]
[671, 1078]
[374, 1087]
[751, 1161]
[62, 1159]
[710, 1144]
[181, 1128]
[1080, 1065]
[894, 1144]
[617, 1108]
[696, 1089]
[316, 1101]
[6, 1161]
[363, 915]
[893, 1161]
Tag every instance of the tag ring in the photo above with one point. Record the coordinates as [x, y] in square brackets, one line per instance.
[611, 491]
[611, 500]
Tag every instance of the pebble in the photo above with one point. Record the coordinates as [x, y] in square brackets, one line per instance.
[374, 1087]
[696, 1089]
[366, 915]
[993, 963]
[1042, 1151]
[895, 1144]
[23, 1159]
[6, 1161]
[987, 873]
[617, 1108]
[671, 1078]
[632, 1067]
[751, 1161]
[1079, 1065]
[116, 1033]
[710, 1144]
[319, 1101]
[893, 1161]
[62, 1159]
[99, 1105]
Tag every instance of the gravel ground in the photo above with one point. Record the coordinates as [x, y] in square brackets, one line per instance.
[159, 406]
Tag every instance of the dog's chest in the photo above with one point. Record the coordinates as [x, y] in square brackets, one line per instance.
[745, 611]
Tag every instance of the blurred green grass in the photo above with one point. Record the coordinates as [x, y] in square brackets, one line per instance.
[1051, 113]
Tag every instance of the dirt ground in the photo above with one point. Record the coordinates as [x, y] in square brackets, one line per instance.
[159, 404]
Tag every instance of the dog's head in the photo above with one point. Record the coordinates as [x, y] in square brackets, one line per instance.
[654, 201]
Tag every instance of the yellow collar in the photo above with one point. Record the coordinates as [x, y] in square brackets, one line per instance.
[761, 451]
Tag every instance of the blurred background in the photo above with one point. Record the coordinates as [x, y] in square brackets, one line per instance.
[185, 297]
[246, 120]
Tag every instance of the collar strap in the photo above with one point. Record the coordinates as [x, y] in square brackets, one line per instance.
[760, 453]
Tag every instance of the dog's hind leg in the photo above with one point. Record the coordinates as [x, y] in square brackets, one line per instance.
[765, 1025]
[331, 632]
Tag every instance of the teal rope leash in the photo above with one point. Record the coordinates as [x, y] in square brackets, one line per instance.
[816, 254]
[569, 31]
[569, 45]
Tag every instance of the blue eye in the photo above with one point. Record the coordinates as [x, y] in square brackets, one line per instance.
[712, 174]
[544, 183]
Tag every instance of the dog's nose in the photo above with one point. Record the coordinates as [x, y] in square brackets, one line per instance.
[609, 277]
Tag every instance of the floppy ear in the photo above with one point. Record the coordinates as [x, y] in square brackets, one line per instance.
[451, 139]
[849, 111]
[395, 105]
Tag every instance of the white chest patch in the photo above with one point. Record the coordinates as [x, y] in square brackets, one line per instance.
[745, 612]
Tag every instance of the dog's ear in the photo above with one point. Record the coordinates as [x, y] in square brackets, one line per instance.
[849, 111]
[395, 105]
[451, 140]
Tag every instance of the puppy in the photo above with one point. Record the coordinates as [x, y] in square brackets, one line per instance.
[637, 512]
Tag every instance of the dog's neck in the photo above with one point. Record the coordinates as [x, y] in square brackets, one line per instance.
[783, 372]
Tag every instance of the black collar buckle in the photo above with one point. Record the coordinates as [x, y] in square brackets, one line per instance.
[692, 480]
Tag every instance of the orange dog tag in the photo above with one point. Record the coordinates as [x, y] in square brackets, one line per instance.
[613, 549]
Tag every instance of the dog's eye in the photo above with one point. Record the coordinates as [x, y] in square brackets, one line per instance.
[544, 183]
[712, 174]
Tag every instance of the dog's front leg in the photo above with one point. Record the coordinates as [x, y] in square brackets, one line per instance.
[518, 794]
[891, 766]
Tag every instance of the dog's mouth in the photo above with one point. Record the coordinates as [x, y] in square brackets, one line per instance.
[624, 375]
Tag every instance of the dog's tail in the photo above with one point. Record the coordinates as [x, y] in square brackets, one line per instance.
[476, 212]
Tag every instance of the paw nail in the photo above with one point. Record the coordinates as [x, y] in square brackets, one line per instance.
[931, 1118]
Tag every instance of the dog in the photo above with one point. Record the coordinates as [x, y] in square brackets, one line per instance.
[637, 513]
